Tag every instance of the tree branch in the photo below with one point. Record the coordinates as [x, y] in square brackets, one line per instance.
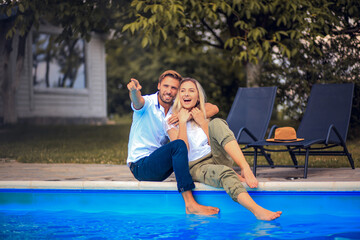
[206, 43]
[221, 42]
[351, 31]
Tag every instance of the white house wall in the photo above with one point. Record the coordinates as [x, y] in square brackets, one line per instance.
[67, 103]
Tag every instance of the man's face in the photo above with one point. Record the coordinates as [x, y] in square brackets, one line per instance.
[168, 89]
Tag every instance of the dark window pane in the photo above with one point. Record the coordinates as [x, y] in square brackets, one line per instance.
[58, 65]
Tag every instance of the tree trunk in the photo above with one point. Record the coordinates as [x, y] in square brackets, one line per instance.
[8, 92]
[9, 107]
[253, 74]
[12, 63]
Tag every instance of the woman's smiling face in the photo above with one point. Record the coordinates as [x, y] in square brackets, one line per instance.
[189, 95]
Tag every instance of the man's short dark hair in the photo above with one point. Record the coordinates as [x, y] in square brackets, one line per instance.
[170, 73]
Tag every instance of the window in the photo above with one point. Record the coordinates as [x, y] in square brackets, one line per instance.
[57, 65]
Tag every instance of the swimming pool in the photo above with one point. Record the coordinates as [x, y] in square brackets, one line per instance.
[149, 214]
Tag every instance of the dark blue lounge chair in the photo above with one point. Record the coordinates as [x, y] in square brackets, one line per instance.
[250, 115]
[324, 125]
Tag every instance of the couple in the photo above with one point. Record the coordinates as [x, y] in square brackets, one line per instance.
[199, 149]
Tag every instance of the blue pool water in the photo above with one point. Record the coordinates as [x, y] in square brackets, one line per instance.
[100, 214]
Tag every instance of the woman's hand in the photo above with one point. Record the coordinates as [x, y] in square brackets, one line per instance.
[183, 115]
[198, 116]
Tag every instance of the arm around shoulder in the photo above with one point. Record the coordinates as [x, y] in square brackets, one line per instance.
[211, 110]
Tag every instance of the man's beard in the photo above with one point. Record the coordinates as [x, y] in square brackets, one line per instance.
[164, 100]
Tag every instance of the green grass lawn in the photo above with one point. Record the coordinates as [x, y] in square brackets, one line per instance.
[107, 145]
[65, 144]
[283, 158]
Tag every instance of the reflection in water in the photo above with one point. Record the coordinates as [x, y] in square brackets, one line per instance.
[110, 225]
[262, 228]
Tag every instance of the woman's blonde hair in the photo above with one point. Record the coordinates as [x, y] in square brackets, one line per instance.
[202, 97]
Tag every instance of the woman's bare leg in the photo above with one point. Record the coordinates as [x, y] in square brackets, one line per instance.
[241, 178]
[234, 151]
[192, 207]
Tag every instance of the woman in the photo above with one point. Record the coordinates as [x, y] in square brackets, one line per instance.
[212, 148]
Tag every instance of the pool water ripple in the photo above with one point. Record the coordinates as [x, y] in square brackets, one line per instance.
[158, 215]
[108, 225]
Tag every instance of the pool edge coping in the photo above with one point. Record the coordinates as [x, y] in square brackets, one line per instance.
[171, 186]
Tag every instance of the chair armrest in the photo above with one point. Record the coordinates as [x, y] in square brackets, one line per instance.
[244, 129]
[333, 128]
[272, 129]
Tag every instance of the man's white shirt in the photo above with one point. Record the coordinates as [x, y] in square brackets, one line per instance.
[147, 132]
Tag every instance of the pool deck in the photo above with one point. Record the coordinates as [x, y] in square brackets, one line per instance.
[118, 177]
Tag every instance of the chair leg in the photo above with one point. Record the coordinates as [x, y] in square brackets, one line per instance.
[293, 157]
[255, 161]
[306, 162]
[267, 157]
[351, 161]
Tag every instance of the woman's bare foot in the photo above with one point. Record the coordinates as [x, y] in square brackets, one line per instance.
[198, 209]
[250, 179]
[259, 212]
[264, 214]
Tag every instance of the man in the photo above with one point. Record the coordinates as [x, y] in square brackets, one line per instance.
[150, 157]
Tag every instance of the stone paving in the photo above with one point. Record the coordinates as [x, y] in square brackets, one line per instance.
[11, 170]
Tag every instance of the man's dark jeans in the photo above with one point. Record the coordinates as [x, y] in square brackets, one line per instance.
[172, 157]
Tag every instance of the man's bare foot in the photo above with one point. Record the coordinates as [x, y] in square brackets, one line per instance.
[198, 209]
[264, 214]
[250, 179]
[192, 207]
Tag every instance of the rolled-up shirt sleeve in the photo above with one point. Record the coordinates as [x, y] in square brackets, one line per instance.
[168, 126]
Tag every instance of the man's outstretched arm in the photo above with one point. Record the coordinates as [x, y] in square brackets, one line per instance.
[134, 88]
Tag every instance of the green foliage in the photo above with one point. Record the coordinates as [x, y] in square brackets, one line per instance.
[298, 43]
[250, 30]
[338, 62]
[126, 58]
[287, 38]
[78, 18]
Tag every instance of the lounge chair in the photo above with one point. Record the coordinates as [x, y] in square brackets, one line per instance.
[324, 126]
[250, 115]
